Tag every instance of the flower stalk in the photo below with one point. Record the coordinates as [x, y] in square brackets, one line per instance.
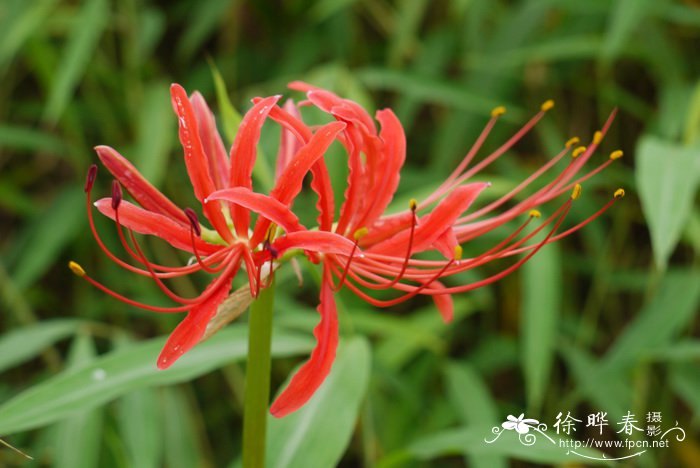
[257, 382]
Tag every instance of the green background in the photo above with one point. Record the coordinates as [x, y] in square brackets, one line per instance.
[605, 320]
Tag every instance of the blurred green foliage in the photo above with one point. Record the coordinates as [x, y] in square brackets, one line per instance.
[605, 320]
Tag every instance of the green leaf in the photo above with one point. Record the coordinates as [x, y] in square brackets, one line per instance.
[319, 433]
[155, 134]
[667, 178]
[124, 370]
[29, 139]
[85, 35]
[140, 419]
[231, 118]
[201, 23]
[659, 323]
[231, 121]
[626, 16]
[413, 336]
[45, 238]
[78, 438]
[22, 21]
[611, 393]
[685, 380]
[182, 447]
[22, 344]
[432, 90]
[473, 405]
[539, 318]
[473, 441]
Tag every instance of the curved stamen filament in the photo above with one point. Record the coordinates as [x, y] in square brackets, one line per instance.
[490, 158]
[357, 236]
[230, 270]
[426, 290]
[398, 300]
[464, 265]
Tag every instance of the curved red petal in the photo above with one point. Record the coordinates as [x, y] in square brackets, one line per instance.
[270, 208]
[211, 141]
[188, 332]
[141, 189]
[432, 226]
[195, 158]
[393, 151]
[290, 182]
[312, 374]
[243, 154]
[324, 242]
[155, 224]
[446, 243]
[443, 302]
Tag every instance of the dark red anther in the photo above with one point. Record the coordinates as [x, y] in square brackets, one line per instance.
[274, 253]
[116, 194]
[90, 179]
[194, 221]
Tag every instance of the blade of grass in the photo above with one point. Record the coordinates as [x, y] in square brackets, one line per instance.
[82, 43]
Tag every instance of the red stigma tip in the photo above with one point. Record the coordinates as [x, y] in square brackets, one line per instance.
[116, 194]
[194, 221]
[90, 179]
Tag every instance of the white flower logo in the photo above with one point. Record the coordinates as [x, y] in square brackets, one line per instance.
[521, 425]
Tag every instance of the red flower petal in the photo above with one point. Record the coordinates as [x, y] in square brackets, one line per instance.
[315, 241]
[141, 189]
[321, 183]
[188, 332]
[446, 243]
[196, 159]
[211, 141]
[432, 226]
[147, 222]
[393, 156]
[243, 154]
[289, 143]
[312, 374]
[290, 182]
[443, 302]
[270, 208]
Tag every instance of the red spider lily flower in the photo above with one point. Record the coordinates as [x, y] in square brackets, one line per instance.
[221, 250]
[363, 249]
[384, 246]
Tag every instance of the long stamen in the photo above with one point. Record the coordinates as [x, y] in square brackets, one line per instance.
[231, 266]
[426, 285]
[116, 201]
[464, 265]
[357, 236]
[546, 106]
[196, 229]
[413, 206]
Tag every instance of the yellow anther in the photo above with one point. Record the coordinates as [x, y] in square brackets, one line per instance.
[619, 193]
[458, 252]
[535, 214]
[578, 151]
[360, 233]
[413, 204]
[498, 111]
[576, 192]
[75, 268]
[617, 154]
[572, 141]
[597, 137]
[546, 105]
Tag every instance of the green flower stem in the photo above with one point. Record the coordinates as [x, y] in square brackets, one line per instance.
[257, 383]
